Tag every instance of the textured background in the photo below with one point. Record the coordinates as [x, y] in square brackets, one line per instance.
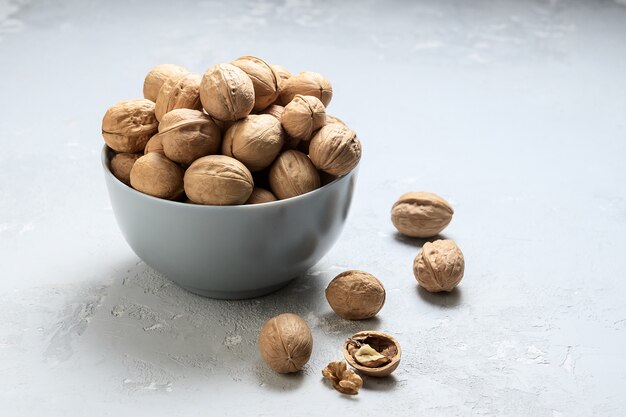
[513, 110]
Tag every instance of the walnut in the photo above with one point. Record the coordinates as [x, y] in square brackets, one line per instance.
[128, 125]
[372, 353]
[155, 175]
[439, 266]
[302, 116]
[355, 295]
[178, 93]
[335, 149]
[121, 164]
[261, 195]
[344, 380]
[264, 80]
[333, 119]
[157, 76]
[155, 144]
[420, 214]
[283, 73]
[218, 180]
[293, 174]
[188, 134]
[308, 84]
[227, 92]
[274, 110]
[255, 141]
[286, 343]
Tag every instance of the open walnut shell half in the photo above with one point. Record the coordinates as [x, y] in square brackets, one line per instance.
[372, 353]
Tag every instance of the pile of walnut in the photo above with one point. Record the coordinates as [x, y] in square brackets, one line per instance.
[246, 132]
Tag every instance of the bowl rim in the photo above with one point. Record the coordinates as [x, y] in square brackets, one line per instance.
[278, 203]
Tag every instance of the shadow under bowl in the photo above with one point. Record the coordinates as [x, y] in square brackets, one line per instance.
[231, 252]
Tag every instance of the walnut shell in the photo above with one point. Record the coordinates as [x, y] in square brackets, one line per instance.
[283, 73]
[178, 93]
[157, 76]
[264, 80]
[334, 119]
[261, 195]
[302, 116]
[306, 83]
[155, 175]
[128, 125]
[121, 164]
[421, 214]
[155, 144]
[286, 343]
[335, 149]
[274, 110]
[227, 92]
[355, 295]
[188, 134]
[255, 141]
[293, 174]
[439, 266]
[381, 342]
[218, 180]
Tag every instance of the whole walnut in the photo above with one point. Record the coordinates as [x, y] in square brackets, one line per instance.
[261, 195]
[188, 135]
[274, 110]
[306, 83]
[421, 214]
[218, 180]
[293, 174]
[302, 116]
[439, 266]
[355, 295]
[227, 92]
[128, 125]
[255, 141]
[155, 175]
[155, 144]
[335, 149]
[264, 79]
[283, 73]
[157, 76]
[179, 93]
[121, 164]
[286, 343]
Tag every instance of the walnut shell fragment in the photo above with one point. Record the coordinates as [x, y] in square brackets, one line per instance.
[255, 141]
[286, 343]
[293, 174]
[121, 164]
[218, 180]
[226, 92]
[421, 214]
[302, 116]
[128, 125]
[307, 83]
[344, 380]
[264, 79]
[178, 93]
[383, 344]
[187, 135]
[335, 149]
[355, 295]
[157, 76]
[439, 266]
[155, 175]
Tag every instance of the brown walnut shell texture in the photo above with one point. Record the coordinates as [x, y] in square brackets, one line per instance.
[355, 295]
[302, 116]
[121, 164]
[335, 149]
[128, 125]
[274, 110]
[421, 214]
[155, 175]
[261, 195]
[381, 342]
[286, 343]
[283, 73]
[255, 141]
[218, 180]
[306, 83]
[226, 92]
[157, 76]
[439, 266]
[155, 144]
[293, 174]
[188, 134]
[179, 93]
[265, 81]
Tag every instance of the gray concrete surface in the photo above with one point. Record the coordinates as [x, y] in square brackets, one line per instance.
[513, 110]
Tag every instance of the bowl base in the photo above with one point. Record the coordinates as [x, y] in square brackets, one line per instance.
[237, 295]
